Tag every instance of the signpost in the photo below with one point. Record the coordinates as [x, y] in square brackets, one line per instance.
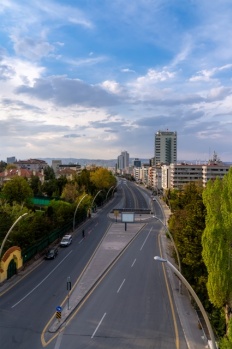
[69, 286]
[58, 312]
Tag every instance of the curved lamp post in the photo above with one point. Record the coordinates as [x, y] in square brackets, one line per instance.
[115, 188]
[185, 282]
[9, 231]
[95, 197]
[174, 245]
[76, 211]
[109, 191]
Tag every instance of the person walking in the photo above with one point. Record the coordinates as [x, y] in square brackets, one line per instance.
[83, 233]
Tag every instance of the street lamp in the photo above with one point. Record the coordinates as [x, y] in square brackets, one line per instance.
[174, 245]
[9, 231]
[95, 197]
[194, 295]
[76, 210]
[109, 191]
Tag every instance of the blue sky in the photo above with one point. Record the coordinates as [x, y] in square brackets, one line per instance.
[92, 78]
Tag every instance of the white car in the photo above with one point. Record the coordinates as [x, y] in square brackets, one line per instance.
[66, 240]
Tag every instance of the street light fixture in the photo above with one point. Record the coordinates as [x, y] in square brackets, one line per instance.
[95, 197]
[9, 231]
[194, 295]
[174, 245]
[108, 192]
[76, 211]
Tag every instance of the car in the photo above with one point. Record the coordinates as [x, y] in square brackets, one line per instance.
[66, 241]
[51, 253]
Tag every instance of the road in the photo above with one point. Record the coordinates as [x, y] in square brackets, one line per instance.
[131, 308]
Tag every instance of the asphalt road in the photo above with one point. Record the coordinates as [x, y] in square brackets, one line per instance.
[131, 308]
[26, 307]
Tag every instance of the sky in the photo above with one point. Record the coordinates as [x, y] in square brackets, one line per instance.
[92, 78]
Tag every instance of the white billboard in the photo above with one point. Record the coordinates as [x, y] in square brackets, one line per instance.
[127, 217]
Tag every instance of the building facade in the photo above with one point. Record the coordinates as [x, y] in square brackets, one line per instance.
[165, 147]
[123, 162]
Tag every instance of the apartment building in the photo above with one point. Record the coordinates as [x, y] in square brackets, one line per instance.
[175, 176]
[31, 164]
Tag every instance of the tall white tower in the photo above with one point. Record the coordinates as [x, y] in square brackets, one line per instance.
[165, 147]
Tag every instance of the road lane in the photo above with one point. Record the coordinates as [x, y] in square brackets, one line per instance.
[130, 308]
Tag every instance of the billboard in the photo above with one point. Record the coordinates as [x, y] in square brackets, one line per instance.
[127, 217]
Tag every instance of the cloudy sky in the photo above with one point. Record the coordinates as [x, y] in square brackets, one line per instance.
[90, 79]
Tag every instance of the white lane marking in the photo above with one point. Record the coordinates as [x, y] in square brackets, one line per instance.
[145, 239]
[121, 285]
[98, 326]
[41, 281]
[133, 263]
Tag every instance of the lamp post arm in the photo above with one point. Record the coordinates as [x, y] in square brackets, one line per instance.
[185, 282]
[95, 197]
[108, 192]
[76, 211]
[9, 231]
[173, 242]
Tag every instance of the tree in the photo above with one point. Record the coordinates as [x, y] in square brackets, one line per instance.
[187, 224]
[217, 242]
[70, 192]
[3, 165]
[50, 188]
[49, 173]
[35, 185]
[17, 190]
[102, 178]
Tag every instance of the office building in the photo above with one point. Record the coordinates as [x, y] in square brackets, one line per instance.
[123, 161]
[165, 147]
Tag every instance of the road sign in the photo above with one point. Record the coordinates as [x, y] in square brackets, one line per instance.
[59, 308]
[58, 315]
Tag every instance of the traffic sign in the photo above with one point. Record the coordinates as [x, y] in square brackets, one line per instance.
[58, 315]
[59, 308]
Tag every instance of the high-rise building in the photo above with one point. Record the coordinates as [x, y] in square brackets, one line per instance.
[123, 161]
[165, 147]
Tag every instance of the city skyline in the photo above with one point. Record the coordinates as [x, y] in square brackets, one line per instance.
[80, 80]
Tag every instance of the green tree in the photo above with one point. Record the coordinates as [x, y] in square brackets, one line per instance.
[35, 185]
[70, 192]
[50, 188]
[17, 190]
[49, 173]
[3, 165]
[226, 342]
[102, 178]
[217, 242]
[187, 224]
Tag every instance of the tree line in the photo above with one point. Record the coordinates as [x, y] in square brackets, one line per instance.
[201, 226]
[16, 199]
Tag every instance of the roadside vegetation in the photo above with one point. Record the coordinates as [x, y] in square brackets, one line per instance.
[16, 199]
[201, 225]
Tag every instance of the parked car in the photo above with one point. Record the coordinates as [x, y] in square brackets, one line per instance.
[51, 253]
[66, 241]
